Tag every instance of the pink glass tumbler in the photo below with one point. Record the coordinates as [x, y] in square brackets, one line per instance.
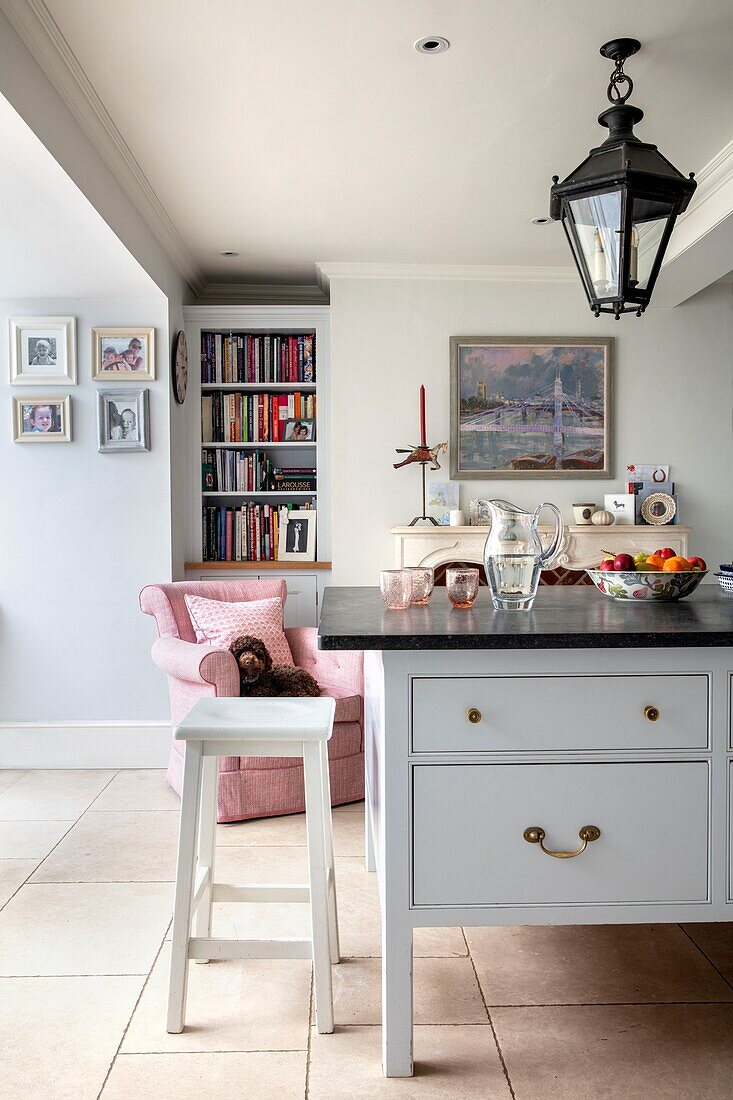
[396, 588]
[423, 579]
[461, 586]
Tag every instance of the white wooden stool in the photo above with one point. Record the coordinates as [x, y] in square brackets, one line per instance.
[252, 727]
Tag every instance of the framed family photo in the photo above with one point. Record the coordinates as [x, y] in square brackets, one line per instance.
[42, 419]
[123, 354]
[43, 351]
[299, 431]
[531, 407]
[297, 535]
[123, 421]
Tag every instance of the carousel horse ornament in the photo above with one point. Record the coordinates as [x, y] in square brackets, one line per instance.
[421, 454]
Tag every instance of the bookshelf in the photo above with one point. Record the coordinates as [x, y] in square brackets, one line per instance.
[237, 454]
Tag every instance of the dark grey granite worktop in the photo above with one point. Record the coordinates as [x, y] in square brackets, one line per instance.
[562, 618]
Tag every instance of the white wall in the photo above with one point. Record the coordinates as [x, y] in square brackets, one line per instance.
[673, 401]
[82, 532]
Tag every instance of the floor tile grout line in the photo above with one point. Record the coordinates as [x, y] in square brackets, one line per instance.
[705, 956]
[135, 1006]
[72, 826]
[308, 1045]
[12, 782]
[497, 1044]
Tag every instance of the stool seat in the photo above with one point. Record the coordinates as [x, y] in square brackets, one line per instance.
[252, 727]
[279, 719]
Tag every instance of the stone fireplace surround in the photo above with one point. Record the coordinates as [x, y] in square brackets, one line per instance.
[581, 548]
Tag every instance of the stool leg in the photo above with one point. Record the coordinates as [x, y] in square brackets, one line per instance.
[333, 920]
[207, 845]
[314, 799]
[185, 870]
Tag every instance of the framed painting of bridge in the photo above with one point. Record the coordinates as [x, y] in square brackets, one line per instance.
[536, 407]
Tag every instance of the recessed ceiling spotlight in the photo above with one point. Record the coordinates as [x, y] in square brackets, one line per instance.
[434, 43]
[541, 221]
[228, 253]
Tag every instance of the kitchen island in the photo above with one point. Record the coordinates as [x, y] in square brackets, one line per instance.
[568, 765]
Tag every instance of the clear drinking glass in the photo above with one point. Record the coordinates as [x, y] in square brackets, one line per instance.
[396, 588]
[461, 586]
[423, 580]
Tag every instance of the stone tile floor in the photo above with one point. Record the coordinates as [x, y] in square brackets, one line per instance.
[86, 869]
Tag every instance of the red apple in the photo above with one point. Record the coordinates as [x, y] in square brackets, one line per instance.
[697, 563]
[667, 552]
[624, 563]
[607, 565]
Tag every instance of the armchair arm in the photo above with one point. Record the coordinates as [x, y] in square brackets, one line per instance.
[198, 664]
[342, 670]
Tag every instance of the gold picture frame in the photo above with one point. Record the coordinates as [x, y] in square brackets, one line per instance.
[123, 354]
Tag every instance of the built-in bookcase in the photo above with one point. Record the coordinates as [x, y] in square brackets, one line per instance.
[255, 373]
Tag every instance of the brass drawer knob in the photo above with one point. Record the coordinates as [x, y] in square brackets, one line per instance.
[652, 713]
[474, 715]
[536, 835]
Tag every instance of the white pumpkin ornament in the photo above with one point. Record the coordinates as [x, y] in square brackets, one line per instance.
[602, 518]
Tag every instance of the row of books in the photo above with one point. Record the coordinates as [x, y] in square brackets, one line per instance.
[252, 472]
[258, 357]
[257, 417]
[249, 533]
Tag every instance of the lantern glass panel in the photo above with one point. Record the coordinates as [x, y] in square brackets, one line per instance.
[649, 219]
[597, 221]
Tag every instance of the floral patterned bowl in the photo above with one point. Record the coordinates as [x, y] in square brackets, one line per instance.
[646, 586]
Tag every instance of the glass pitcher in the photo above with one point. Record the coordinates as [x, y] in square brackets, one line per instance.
[513, 554]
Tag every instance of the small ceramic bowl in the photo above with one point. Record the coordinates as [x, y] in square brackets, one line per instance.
[646, 586]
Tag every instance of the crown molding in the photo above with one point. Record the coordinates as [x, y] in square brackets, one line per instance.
[262, 294]
[711, 204]
[463, 272]
[43, 37]
[220, 315]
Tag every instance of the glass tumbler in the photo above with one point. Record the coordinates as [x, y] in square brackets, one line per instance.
[423, 580]
[461, 586]
[396, 588]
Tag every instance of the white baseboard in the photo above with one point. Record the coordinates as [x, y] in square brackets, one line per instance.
[84, 744]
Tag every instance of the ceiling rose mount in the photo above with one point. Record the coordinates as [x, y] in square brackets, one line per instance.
[619, 206]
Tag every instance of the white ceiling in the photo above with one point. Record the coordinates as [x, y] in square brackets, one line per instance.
[53, 243]
[301, 130]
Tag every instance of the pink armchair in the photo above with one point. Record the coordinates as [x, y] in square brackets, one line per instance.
[249, 786]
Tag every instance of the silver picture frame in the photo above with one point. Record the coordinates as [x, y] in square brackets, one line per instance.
[123, 421]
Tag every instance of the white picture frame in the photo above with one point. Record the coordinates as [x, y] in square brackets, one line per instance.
[297, 535]
[120, 341]
[622, 506]
[42, 351]
[123, 421]
[43, 419]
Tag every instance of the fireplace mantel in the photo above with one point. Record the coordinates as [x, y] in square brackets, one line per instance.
[582, 546]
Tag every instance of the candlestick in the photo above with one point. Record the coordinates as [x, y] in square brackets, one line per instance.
[422, 416]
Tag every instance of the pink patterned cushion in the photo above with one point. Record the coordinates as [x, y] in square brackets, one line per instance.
[219, 623]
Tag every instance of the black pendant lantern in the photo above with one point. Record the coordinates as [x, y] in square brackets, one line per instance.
[618, 207]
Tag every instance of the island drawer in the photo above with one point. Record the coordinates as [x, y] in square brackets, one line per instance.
[561, 713]
[469, 849]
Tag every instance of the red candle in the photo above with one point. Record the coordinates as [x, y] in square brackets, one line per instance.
[422, 416]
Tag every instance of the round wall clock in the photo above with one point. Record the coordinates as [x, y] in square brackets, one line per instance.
[180, 368]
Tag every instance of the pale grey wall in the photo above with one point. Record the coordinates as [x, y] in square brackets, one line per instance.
[673, 401]
[82, 532]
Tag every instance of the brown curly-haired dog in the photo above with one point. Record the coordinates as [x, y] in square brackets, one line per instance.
[259, 677]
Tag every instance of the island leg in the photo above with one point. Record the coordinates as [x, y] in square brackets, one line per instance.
[396, 997]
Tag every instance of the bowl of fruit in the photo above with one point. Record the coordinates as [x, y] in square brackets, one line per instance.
[663, 575]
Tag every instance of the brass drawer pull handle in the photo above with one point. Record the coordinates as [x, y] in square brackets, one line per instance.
[536, 835]
[474, 715]
[652, 713]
